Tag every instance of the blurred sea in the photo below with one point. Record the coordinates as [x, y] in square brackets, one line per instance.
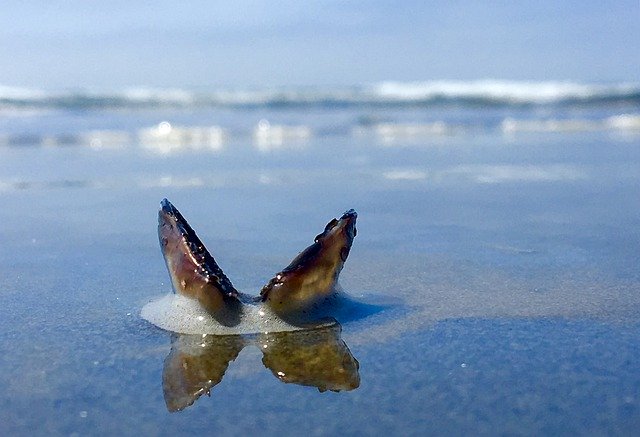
[498, 239]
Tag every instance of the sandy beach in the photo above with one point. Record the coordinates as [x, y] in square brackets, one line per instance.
[500, 266]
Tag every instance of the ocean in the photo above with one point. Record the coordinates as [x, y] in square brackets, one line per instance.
[495, 271]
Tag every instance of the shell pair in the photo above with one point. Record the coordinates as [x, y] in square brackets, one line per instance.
[307, 281]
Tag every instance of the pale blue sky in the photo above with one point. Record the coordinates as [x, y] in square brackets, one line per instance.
[112, 44]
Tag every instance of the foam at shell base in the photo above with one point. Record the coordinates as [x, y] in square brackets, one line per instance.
[183, 315]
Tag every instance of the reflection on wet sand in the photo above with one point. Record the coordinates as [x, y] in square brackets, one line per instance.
[195, 364]
[316, 357]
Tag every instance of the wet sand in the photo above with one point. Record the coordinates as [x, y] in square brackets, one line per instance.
[501, 275]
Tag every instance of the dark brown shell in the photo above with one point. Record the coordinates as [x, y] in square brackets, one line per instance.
[194, 272]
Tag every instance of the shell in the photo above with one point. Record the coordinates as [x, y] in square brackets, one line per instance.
[291, 295]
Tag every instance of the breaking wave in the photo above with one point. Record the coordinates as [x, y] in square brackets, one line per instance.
[483, 92]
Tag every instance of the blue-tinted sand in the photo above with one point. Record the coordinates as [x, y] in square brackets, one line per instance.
[499, 268]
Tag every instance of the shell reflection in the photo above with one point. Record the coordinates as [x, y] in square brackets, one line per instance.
[315, 357]
[196, 364]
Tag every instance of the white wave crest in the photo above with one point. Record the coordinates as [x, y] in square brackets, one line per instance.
[162, 95]
[478, 91]
[24, 94]
[500, 90]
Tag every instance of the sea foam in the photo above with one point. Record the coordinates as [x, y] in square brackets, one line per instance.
[488, 92]
[183, 315]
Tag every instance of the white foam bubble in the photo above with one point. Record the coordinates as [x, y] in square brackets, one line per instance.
[390, 131]
[496, 174]
[180, 314]
[510, 125]
[268, 137]
[166, 138]
[624, 122]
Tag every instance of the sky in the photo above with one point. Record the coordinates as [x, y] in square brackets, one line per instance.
[205, 44]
